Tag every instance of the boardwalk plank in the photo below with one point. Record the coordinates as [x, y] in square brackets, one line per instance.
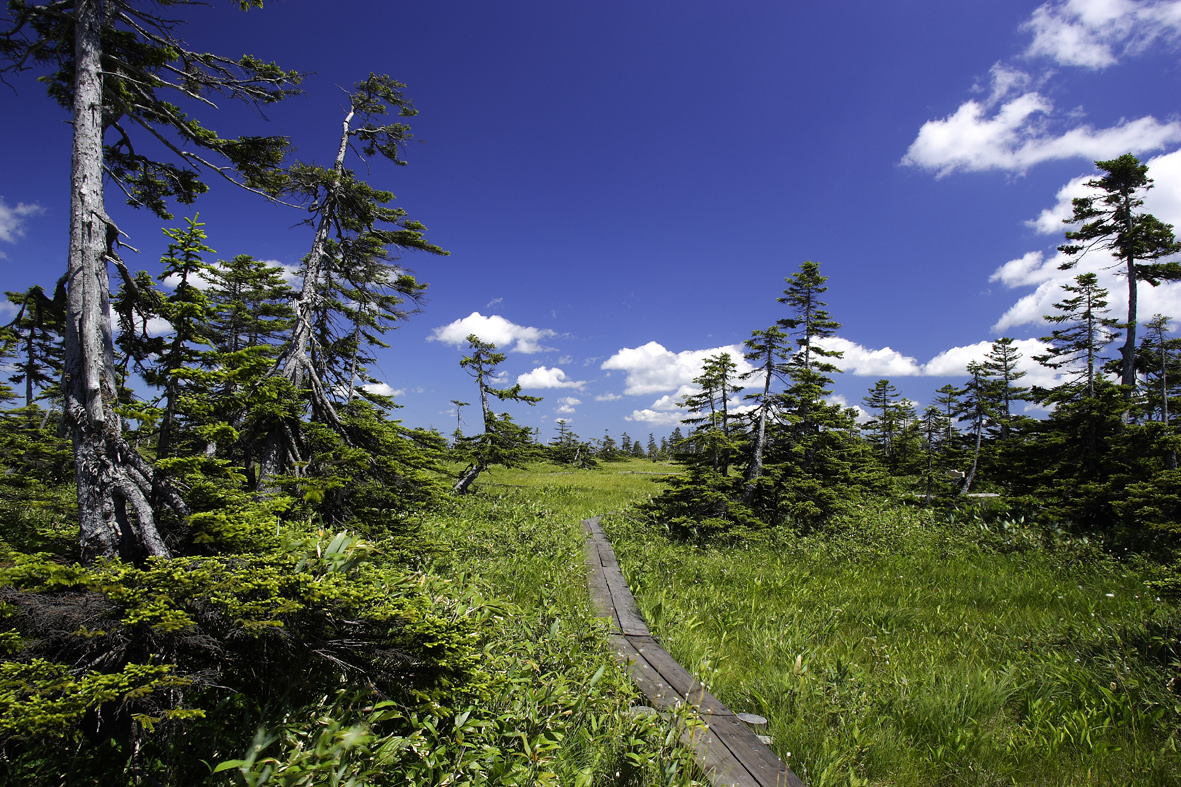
[727, 750]
[631, 622]
[718, 762]
[679, 678]
[648, 679]
[762, 763]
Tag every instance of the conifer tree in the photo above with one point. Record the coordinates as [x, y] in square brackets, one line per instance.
[975, 408]
[1160, 361]
[1082, 406]
[884, 426]
[1001, 373]
[934, 427]
[112, 64]
[250, 304]
[709, 408]
[352, 289]
[1111, 221]
[502, 441]
[37, 333]
[767, 352]
[187, 311]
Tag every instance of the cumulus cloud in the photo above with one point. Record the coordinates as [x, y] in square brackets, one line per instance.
[12, 220]
[567, 404]
[1016, 136]
[860, 360]
[1094, 34]
[652, 368]
[383, 389]
[1017, 126]
[608, 397]
[655, 417]
[543, 377]
[954, 362]
[495, 329]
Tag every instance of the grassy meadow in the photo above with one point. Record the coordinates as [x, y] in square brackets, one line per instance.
[908, 647]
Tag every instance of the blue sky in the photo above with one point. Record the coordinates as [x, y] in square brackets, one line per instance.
[623, 186]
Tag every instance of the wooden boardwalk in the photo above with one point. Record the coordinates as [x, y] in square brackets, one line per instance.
[728, 750]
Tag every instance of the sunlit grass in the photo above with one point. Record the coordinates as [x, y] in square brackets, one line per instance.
[902, 654]
[899, 651]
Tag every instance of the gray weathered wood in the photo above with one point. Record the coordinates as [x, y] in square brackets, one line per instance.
[727, 750]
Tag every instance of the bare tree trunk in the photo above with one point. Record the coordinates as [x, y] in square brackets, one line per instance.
[295, 364]
[114, 483]
[468, 478]
[971, 476]
[756, 460]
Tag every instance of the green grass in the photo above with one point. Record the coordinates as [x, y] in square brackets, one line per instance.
[900, 652]
[518, 540]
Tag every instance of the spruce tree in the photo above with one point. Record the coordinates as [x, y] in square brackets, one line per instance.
[502, 441]
[37, 332]
[113, 64]
[1111, 221]
[353, 290]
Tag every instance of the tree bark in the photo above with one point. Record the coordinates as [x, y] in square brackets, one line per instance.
[114, 513]
[467, 479]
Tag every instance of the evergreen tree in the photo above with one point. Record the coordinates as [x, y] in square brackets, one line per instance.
[1076, 452]
[351, 291]
[1111, 221]
[709, 408]
[250, 303]
[37, 331]
[110, 62]
[884, 426]
[1160, 362]
[975, 408]
[935, 428]
[567, 448]
[1078, 347]
[502, 441]
[1001, 374]
[767, 352]
[676, 442]
[187, 311]
[608, 448]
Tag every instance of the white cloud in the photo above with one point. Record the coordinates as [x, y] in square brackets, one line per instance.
[383, 389]
[860, 360]
[651, 368]
[1015, 137]
[655, 418]
[954, 362]
[567, 404]
[1017, 127]
[494, 329]
[1039, 269]
[12, 220]
[1052, 221]
[543, 377]
[608, 397]
[1163, 200]
[861, 415]
[1096, 33]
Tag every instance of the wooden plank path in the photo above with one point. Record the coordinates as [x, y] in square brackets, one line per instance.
[728, 750]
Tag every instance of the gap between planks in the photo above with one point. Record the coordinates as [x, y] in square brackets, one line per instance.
[729, 751]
